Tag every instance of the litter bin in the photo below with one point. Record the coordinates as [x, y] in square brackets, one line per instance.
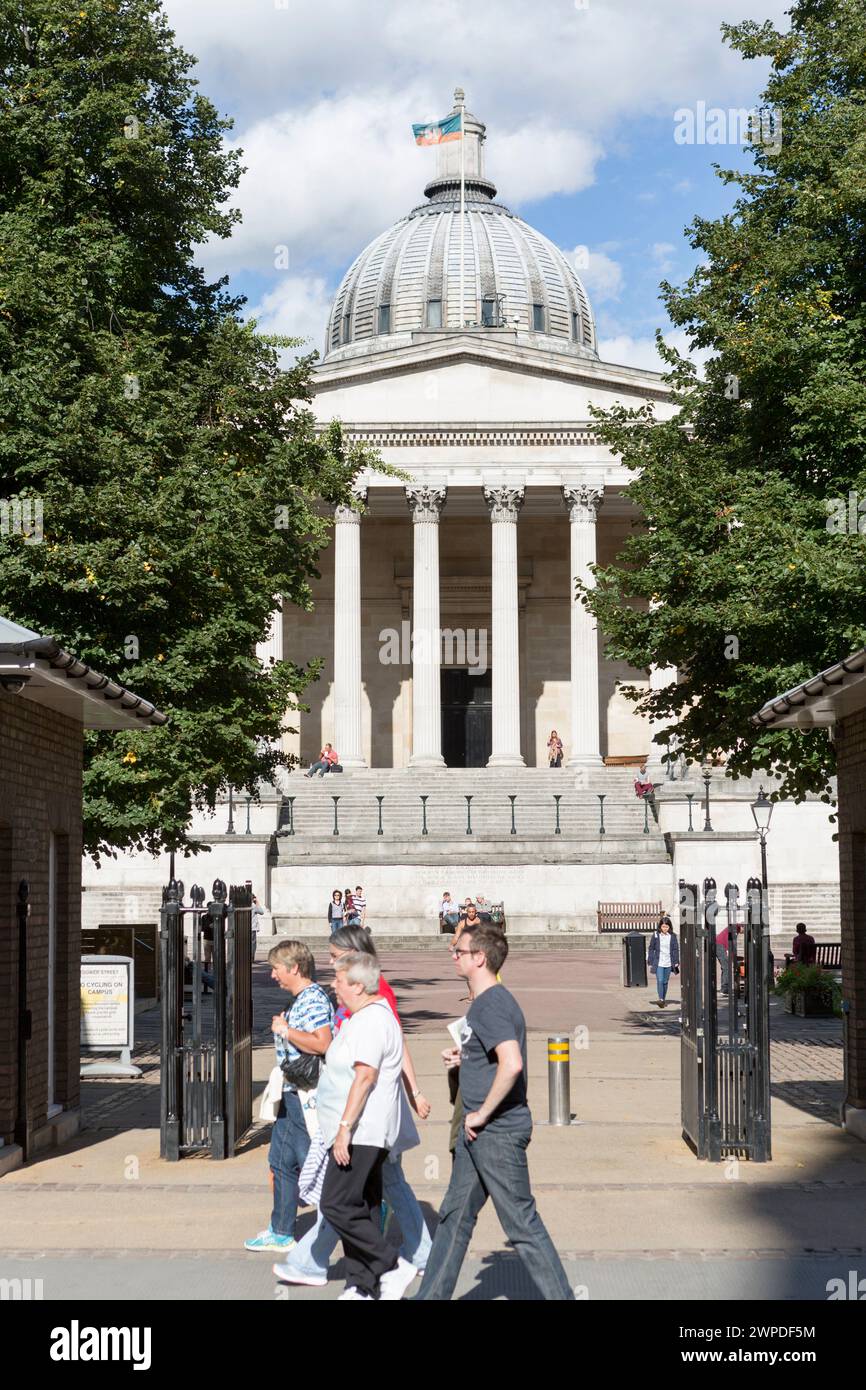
[634, 960]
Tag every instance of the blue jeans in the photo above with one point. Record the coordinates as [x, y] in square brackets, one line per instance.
[290, 1143]
[313, 1252]
[492, 1165]
[663, 974]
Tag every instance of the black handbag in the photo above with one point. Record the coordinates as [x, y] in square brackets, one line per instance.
[302, 1071]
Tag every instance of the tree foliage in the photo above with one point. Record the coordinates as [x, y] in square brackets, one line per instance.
[742, 491]
[178, 466]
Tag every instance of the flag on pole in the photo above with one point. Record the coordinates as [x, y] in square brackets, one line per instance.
[437, 132]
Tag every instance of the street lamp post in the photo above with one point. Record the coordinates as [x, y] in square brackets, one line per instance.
[762, 814]
[706, 774]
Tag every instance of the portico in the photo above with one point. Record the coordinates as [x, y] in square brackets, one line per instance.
[453, 629]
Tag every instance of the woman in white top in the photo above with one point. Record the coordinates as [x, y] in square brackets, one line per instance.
[663, 957]
[358, 1108]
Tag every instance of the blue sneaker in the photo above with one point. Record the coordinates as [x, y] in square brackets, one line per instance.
[269, 1240]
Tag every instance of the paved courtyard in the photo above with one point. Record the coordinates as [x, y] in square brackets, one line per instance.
[632, 1211]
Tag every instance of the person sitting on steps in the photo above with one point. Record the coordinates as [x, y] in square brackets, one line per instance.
[327, 762]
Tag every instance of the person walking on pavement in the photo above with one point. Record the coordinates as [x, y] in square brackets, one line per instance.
[336, 911]
[663, 956]
[305, 1028]
[490, 1159]
[257, 914]
[722, 956]
[359, 1118]
[307, 1262]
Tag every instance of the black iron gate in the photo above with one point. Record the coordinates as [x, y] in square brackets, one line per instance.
[207, 1086]
[725, 1053]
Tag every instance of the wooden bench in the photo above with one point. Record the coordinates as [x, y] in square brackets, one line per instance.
[624, 917]
[828, 954]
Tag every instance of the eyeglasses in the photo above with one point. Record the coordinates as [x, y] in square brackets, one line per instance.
[455, 952]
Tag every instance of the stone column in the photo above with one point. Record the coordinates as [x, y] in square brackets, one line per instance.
[659, 678]
[347, 634]
[271, 649]
[505, 504]
[268, 652]
[583, 502]
[425, 504]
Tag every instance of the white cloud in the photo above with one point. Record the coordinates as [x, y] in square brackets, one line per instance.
[325, 184]
[297, 307]
[601, 275]
[539, 161]
[614, 60]
[324, 95]
[627, 351]
[662, 253]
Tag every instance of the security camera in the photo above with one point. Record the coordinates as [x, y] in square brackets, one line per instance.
[13, 685]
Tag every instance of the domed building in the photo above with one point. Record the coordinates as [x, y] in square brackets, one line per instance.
[431, 273]
[463, 349]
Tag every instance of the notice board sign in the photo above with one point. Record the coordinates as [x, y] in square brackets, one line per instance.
[107, 995]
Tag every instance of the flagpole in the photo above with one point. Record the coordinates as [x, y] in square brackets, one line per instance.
[462, 216]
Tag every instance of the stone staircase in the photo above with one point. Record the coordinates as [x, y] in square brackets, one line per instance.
[550, 883]
[816, 904]
[403, 815]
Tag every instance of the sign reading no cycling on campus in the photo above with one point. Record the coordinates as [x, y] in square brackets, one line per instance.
[106, 990]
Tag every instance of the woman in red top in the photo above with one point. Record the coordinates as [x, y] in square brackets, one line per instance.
[346, 939]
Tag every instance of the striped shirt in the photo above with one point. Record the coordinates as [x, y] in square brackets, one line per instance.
[309, 1010]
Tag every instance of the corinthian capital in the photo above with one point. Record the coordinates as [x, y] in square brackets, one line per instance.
[583, 501]
[504, 503]
[351, 513]
[425, 503]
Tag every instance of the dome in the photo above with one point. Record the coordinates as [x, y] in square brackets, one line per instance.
[407, 282]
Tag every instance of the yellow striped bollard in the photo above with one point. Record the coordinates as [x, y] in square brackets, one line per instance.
[559, 1079]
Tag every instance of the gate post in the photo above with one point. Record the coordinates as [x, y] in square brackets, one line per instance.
[691, 1038]
[218, 912]
[707, 934]
[171, 963]
[239, 1016]
[758, 1013]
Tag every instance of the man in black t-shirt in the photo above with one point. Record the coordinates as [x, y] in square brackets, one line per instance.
[490, 1158]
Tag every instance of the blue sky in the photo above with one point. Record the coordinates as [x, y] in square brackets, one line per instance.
[579, 101]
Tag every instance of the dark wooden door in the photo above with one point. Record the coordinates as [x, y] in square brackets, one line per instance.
[467, 718]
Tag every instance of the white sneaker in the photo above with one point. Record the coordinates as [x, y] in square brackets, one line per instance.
[287, 1275]
[394, 1284]
[353, 1295]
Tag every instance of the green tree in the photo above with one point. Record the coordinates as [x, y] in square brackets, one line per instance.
[743, 492]
[178, 466]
